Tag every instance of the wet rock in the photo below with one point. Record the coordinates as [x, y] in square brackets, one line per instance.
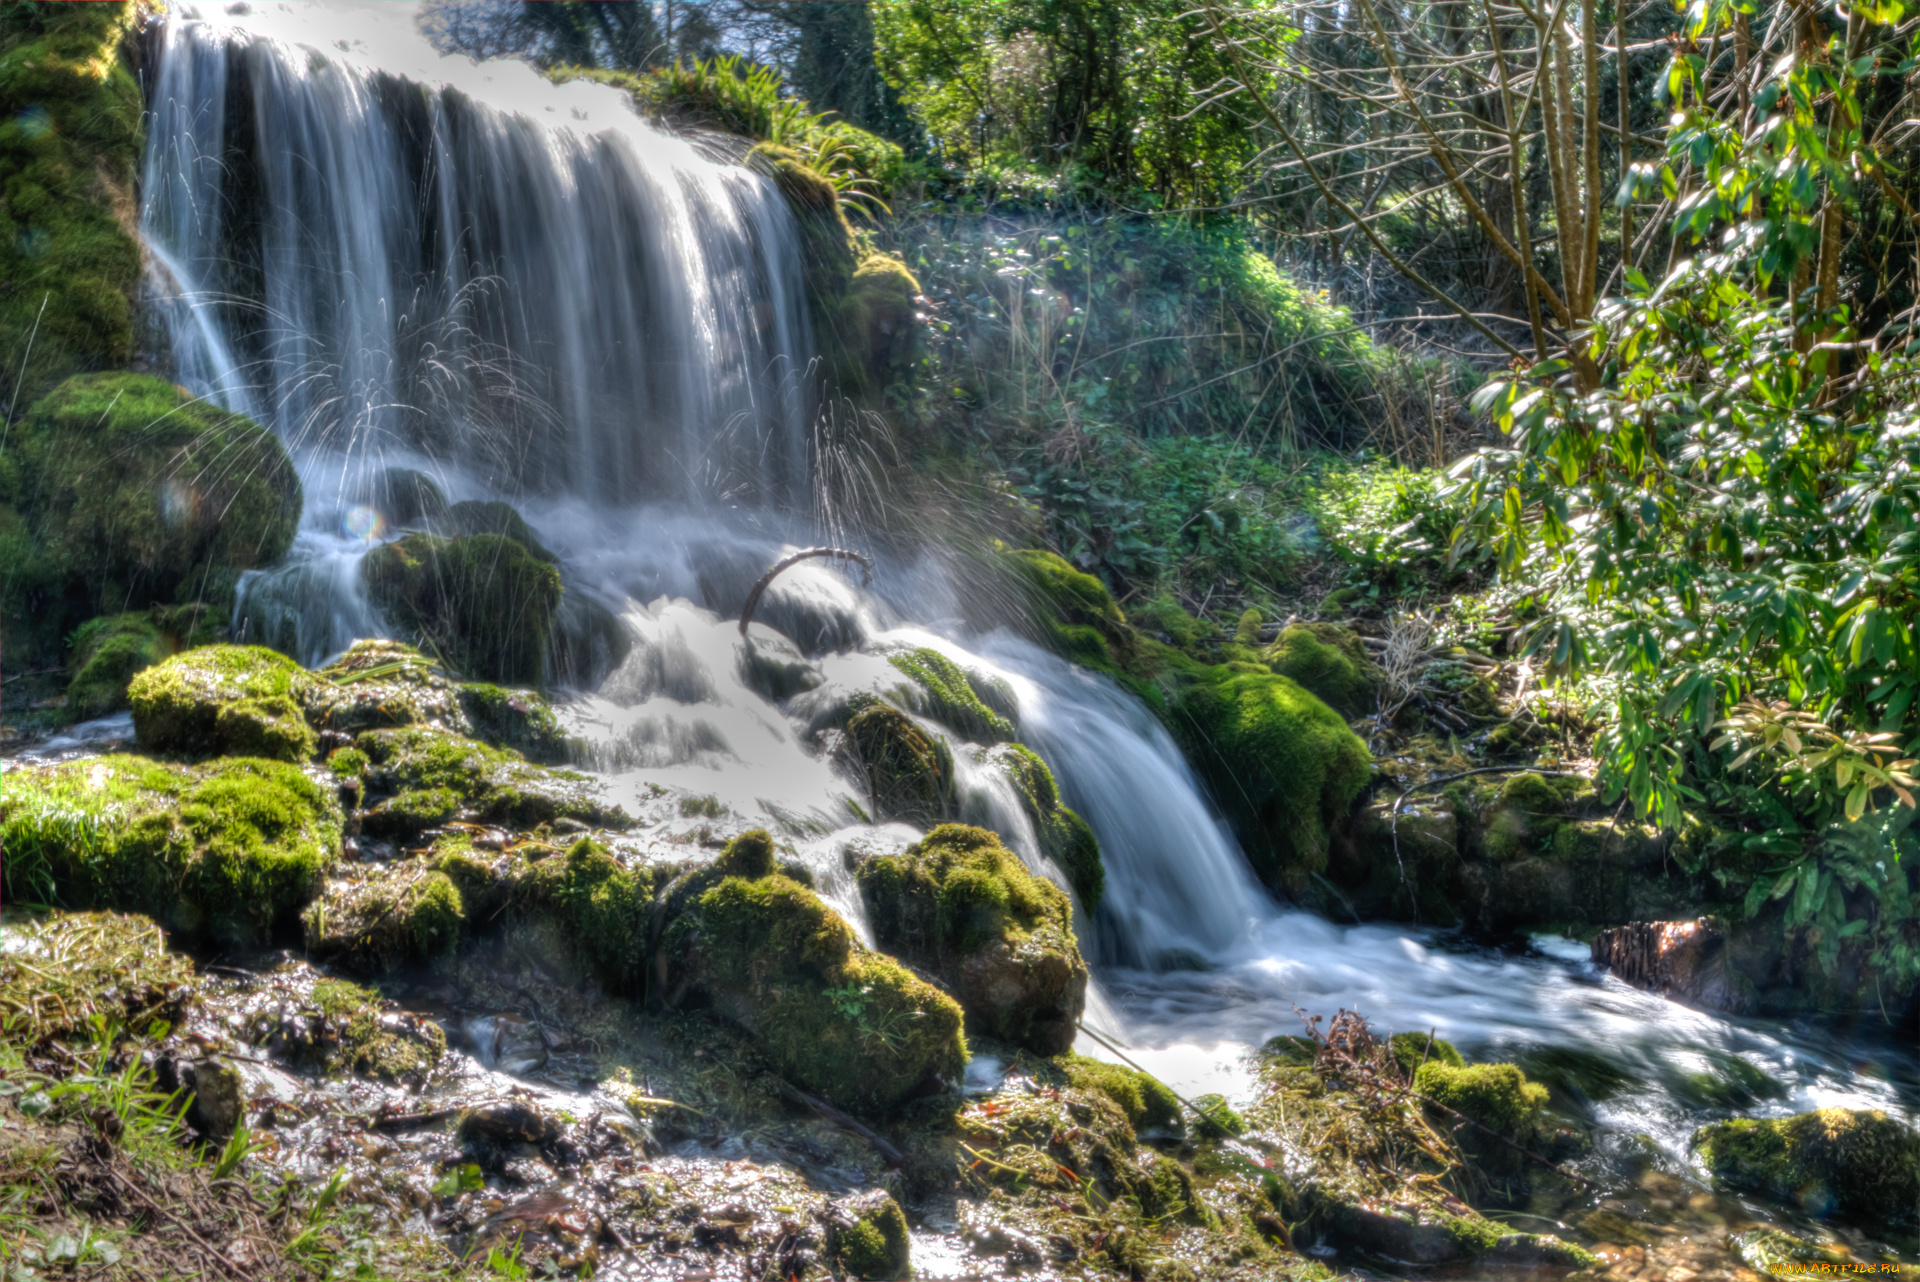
[429, 775]
[378, 684]
[514, 1121]
[767, 953]
[224, 699]
[1064, 836]
[107, 653]
[1854, 1165]
[404, 497]
[227, 851]
[390, 915]
[219, 1100]
[480, 601]
[1149, 1105]
[340, 1027]
[774, 666]
[592, 911]
[1686, 961]
[869, 1235]
[963, 907]
[973, 706]
[909, 770]
[477, 517]
[1500, 1106]
[519, 720]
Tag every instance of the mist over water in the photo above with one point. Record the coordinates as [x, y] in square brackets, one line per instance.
[528, 292]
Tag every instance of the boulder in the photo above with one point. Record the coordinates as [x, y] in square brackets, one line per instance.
[229, 851]
[481, 602]
[1861, 1166]
[420, 776]
[909, 770]
[1685, 961]
[965, 909]
[405, 498]
[384, 917]
[1064, 836]
[763, 951]
[868, 1232]
[974, 707]
[229, 699]
[1282, 765]
[107, 654]
[141, 493]
[1502, 1106]
[1330, 661]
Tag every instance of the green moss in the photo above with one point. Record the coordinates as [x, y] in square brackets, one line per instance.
[909, 771]
[601, 909]
[518, 719]
[71, 127]
[224, 699]
[749, 855]
[488, 785]
[1329, 661]
[359, 1043]
[1281, 764]
[879, 322]
[1411, 1050]
[955, 697]
[1495, 1096]
[1146, 1101]
[876, 1245]
[1247, 631]
[347, 763]
[229, 851]
[848, 1024]
[1857, 1165]
[396, 914]
[378, 684]
[1166, 616]
[1064, 836]
[1216, 1119]
[963, 907]
[1070, 612]
[106, 655]
[1527, 815]
[481, 602]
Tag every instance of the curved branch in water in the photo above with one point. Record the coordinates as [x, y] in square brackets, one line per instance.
[786, 563]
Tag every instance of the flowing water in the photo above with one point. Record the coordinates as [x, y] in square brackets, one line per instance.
[530, 293]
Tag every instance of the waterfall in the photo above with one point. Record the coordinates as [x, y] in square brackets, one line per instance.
[528, 291]
[523, 284]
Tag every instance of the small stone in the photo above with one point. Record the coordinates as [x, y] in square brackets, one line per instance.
[219, 1100]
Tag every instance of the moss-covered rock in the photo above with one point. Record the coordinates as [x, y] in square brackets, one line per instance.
[600, 910]
[1497, 1097]
[427, 775]
[879, 320]
[232, 699]
[1857, 1165]
[388, 916]
[1328, 660]
[71, 126]
[474, 516]
[482, 602]
[380, 684]
[1281, 764]
[1064, 836]
[1070, 612]
[767, 953]
[909, 770]
[1148, 1103]
[965, 702]
[869, 1235]
[964, 908]
[107, 653]
[1413, 1050]
[522, 720]
[229, 851]
[357, 1040]
[142, 494]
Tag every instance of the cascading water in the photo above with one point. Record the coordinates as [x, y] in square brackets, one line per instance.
[530, 292]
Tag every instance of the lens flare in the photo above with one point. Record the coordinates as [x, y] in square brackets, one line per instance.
[362, 523]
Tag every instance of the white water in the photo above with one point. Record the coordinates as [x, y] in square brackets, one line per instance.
[529, 293]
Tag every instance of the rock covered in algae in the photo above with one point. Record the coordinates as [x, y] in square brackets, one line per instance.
[868, 1232]
[386, 916]
[481, 602]
[1492, 1108]
[1856, 1165]
[107, 654]
[228, 851]
[1064, 836]
[141, 493]
[68, 249]
[378, 684]
[973, 706]
[1328, 660]
[1150, 1106]
[909, 769]
[767, 953]
[419, 776]
[1282, 764]
[963, 907]
[242, 700]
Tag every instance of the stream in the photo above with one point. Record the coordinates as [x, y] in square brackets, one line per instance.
[526, 292]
